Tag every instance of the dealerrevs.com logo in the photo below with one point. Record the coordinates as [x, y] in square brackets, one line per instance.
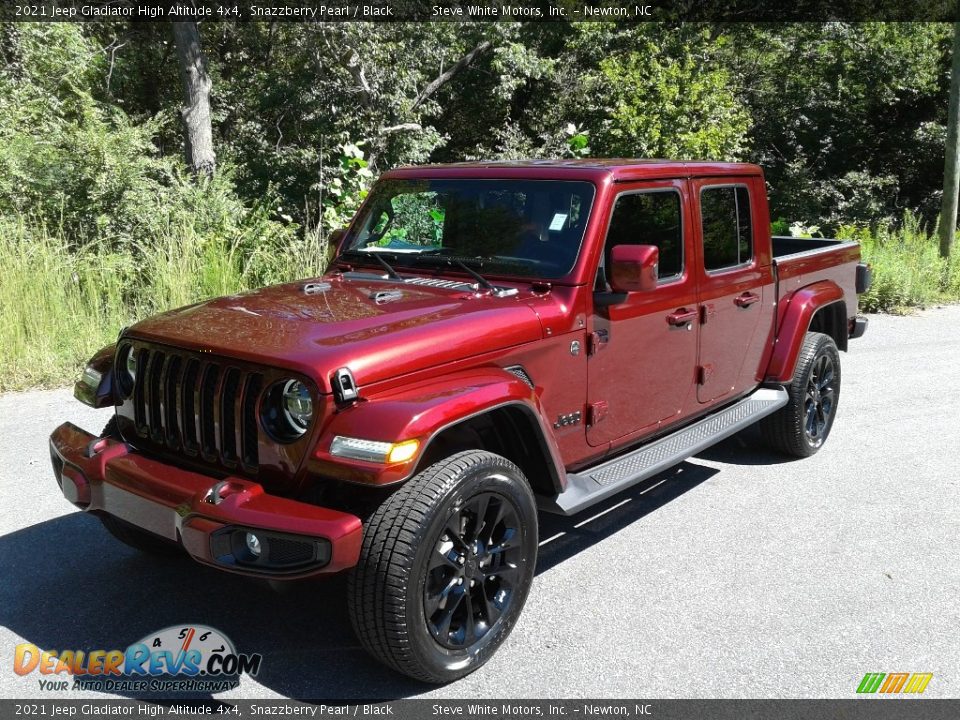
[186, 658]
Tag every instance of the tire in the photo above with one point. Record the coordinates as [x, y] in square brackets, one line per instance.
[424, 544]
[802, 426]
[110, 430]
[129, 534]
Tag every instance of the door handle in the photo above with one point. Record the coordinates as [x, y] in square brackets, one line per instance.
[682, 317]
[746, 300]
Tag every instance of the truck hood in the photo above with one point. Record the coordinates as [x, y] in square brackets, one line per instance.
[378, 328]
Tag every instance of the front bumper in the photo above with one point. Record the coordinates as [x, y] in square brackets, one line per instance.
[204, 515]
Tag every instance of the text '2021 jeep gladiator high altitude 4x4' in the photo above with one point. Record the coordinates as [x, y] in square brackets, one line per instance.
[491, 339]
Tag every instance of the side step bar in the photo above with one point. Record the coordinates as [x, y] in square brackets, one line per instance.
[608, 478]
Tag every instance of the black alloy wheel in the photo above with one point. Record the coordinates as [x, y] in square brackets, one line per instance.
[473, 574]
[445, 568]
[802, 426]
[820, 399]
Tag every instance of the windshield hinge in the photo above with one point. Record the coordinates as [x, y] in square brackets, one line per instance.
[344, 386]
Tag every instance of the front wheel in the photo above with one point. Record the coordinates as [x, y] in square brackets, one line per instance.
[801, 427]
[446, 566]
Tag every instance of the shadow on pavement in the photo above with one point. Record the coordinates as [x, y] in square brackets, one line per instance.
[68, 585]
[744, 448]
[563, 537]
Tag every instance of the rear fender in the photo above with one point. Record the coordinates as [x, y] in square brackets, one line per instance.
[803, 305]
[424, 411]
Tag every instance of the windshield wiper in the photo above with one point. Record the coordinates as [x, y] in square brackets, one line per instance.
[435, 258]
[481, 280]
[391, 273]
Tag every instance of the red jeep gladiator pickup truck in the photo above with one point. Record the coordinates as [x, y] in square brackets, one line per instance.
[490, 340]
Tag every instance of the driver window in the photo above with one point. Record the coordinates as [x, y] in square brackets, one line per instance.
[649, 218]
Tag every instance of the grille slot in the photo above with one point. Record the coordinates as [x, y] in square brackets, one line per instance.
[139, 401]
[248, 438]
[208, 423]
[171, 384]
[188, 407]
[154, 399]
[228, 416]
[198, 405]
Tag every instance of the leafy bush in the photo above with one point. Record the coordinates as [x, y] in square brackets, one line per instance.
[97, 229]
[908, 271]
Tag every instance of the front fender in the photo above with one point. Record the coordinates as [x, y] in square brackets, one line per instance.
[803, 305]
[421, 412]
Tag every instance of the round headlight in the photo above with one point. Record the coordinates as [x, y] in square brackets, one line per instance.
[287, 410]
[297, 405]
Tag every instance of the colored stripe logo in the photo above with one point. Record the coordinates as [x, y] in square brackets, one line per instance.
[886, 684]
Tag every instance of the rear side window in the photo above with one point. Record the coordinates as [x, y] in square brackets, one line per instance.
[650, 218]
[727, 231]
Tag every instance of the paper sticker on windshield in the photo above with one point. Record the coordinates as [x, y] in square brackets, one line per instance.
[557, 223]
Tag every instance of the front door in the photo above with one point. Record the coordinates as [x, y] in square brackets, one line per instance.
[736, 289]
[644, 345]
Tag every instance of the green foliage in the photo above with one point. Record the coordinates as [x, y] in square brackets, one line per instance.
[100, 224]
[66, 159]
[668, 102]
[97, 228]
[802, 230]
[907, 269]
[848, 118]
[578, 141]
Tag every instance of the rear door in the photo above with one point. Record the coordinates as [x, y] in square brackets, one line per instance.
[644, 349]
[736, 286]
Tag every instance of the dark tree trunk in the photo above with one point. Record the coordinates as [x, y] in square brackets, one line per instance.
[195, 112]
[951, 166]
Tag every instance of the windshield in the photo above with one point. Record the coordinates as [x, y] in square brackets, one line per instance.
[515, 227]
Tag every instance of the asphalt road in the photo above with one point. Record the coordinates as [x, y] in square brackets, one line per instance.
[737, 574]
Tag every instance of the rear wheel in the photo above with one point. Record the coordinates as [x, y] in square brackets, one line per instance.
[130, 534]
[802, 426]
[446, 566]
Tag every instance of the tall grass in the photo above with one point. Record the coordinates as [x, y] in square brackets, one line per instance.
[55, 305]
[59, 304]
[908, 272]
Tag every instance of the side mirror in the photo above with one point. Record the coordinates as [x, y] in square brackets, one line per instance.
[633, 268]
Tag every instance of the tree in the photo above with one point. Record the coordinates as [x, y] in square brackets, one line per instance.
[198, 129]
[951, 167]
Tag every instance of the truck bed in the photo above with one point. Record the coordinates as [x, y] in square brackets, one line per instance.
[784, 245]
[799, 262]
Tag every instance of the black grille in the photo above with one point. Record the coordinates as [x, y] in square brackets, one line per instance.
[283, 551]
[199, 406]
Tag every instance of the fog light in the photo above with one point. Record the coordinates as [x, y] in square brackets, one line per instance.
[253, 544]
